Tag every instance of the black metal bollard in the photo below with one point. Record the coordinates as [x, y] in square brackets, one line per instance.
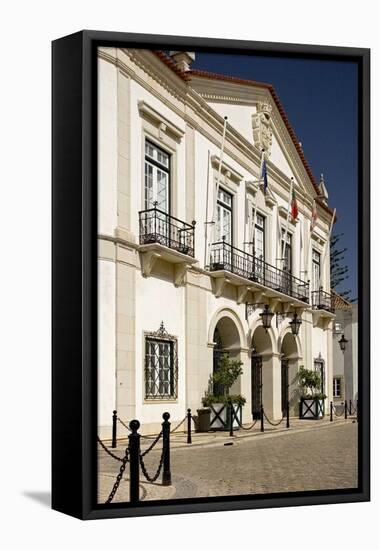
[331, 411]
[166, 476]
[114, 430]
[231, 410]
[134, 454]
[345, 409]
[349, 407]
[288, 414]
[189, 419]
[356, 410]
[262, 419]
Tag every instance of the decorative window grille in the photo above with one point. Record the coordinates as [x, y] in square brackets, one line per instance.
[161, 365]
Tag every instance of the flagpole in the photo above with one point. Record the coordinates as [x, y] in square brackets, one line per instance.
[260, 177]
[254, 221]
[287, 223]
[219, 170]
[327, 247]
[206, 214]
[311, 229]
[218, 178]
[307, 253]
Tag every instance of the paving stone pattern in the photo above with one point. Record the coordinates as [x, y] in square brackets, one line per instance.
[322, 458]
[312, 460]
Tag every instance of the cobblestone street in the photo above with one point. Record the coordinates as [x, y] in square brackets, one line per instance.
[286, 462]
[323, 457]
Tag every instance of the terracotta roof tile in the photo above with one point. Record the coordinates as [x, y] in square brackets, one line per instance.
[339, 302]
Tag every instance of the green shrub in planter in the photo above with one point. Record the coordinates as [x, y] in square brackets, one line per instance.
[311, 398]
[227, 373]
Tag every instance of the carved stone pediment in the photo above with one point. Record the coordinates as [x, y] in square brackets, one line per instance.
[262, 129]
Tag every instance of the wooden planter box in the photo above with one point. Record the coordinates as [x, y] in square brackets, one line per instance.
[220, 416]
[311, 409]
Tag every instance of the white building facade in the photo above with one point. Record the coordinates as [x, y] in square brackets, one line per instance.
[345, 363]
[173, 286]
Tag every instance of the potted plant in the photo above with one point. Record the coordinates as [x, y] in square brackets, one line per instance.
[311, 404]
[219, 399]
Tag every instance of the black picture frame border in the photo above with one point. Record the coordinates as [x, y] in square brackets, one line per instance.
[74, 259]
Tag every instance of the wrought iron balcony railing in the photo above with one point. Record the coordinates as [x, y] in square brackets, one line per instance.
[156, 226]
[322, 300]
[228, 258]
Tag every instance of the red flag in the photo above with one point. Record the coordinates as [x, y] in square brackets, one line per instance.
[294, 209]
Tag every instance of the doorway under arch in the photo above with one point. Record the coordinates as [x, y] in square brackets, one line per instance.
[261, 357]
[226, 340]
[289, 367]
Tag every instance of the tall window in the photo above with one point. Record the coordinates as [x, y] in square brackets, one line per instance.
[224, 222]
[337, 387]
[157, 177]
[319, 367]
[316, 262]
[160, 365]
[260, 236]
[287, 263]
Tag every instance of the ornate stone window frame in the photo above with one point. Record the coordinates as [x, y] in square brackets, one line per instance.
[161, 335]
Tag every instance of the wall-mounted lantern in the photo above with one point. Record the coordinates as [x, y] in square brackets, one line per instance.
[342, 342]
[295, 324]
[266, 317]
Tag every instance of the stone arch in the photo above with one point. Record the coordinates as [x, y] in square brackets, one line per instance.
[229, 323]
[263, 340]
[289, 345]
[226, 335]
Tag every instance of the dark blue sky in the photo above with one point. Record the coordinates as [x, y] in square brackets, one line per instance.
[321, 102]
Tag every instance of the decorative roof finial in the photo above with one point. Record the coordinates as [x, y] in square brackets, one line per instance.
[324, 195]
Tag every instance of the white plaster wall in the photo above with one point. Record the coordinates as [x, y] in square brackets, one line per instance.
[319, 343]
[239, 116]
[106, 342]
[158, 300]
[107, 147]
[278, 158]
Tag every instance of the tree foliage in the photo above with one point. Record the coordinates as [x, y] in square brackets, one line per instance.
[228, 371]
[339, 272]
[309, 382]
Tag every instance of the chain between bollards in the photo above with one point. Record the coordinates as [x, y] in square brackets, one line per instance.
[134, 454]
[189, 418]
[114, 430]
[166, 476]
